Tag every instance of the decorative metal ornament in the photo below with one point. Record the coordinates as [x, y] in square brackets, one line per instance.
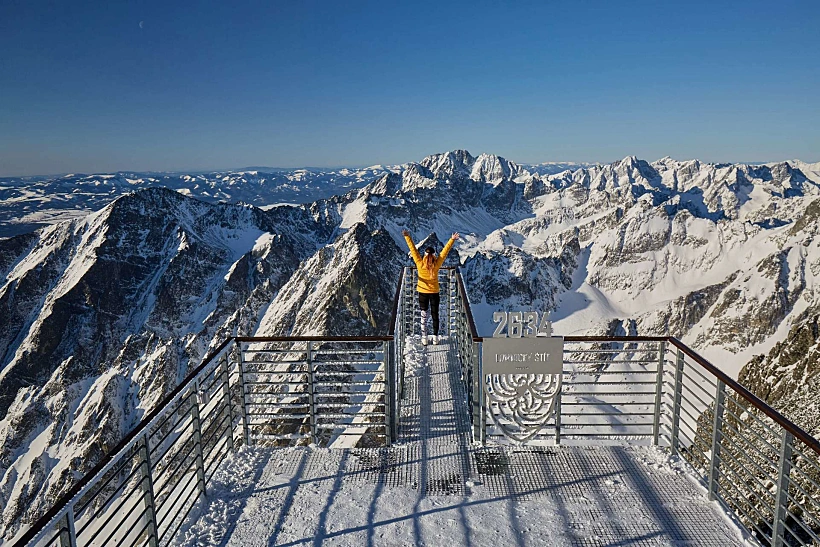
[522, 366]
[521, 404]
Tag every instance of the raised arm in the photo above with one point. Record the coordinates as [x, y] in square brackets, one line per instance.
[413, 251]
[447, 248]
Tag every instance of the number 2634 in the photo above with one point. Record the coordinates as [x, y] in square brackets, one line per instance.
[518, 324]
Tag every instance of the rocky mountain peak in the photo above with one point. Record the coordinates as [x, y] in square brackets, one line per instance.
[455, 164]
[494, 169]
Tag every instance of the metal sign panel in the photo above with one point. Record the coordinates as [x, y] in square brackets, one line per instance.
[537, 355]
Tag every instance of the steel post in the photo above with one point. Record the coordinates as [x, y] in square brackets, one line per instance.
[402, 334]
[68, 534]
[148, 492]
[656, 423]
[390, 409]
[479, 418]
[465, 361]
[244, 399]
[717, 436]
[200, 461]
[676, 402]
[453, 302]
[558, 412]
[311, 393]
[782, 495]
[226, 393]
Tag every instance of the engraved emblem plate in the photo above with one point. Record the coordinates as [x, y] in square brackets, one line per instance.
[522, 379]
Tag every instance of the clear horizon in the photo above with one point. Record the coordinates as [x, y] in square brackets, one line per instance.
[364, 166]
[151, 86]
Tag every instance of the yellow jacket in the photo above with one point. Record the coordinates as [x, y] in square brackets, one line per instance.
[428, 276]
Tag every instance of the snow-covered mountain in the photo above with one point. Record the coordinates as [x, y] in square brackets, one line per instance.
[555, 167]
[104, 314]
[31, 202]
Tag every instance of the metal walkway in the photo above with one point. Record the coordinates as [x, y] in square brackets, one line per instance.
[433, 487]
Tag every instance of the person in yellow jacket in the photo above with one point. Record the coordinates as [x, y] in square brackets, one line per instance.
[427, 287]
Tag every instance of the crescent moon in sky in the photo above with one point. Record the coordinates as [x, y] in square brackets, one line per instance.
[142, 23]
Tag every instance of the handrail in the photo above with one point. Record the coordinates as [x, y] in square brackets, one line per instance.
[45, 521]
[312, 338]
[616, 338]
[759, 404]
[470, 321]
[66, 498]
[391, 330]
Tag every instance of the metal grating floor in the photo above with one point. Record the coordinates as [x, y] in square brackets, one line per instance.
[433, 487]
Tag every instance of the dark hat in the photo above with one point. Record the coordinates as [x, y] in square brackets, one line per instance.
[430, 251]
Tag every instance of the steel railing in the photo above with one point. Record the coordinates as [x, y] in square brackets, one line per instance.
[337, 391]
[317, 390]
[760, 466]
[276, 391]
[755, 462]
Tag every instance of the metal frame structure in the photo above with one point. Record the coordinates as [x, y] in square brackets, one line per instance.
[250, 390]
[760, 466]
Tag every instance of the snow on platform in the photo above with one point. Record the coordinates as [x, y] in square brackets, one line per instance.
[434, 488]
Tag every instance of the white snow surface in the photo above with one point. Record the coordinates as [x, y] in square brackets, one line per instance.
[309, 495]
[256, 502]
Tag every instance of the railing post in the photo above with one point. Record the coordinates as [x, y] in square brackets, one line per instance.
[479, 428]
[782, 494]
[558, 412]
[453, 301]
[226, 393]
[463, 346]
[409, 311]
[68, 535]
[148, 492]
[389, 407]
[400, 355]
[311, 393]
[717, 435]
[676, 402]
[402, 328]
[244, 399]
[200, 462]
[656, 424]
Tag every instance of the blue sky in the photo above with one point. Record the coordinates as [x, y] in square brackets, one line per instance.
[143, 85]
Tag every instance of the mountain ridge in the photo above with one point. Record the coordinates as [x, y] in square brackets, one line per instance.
[118, 305]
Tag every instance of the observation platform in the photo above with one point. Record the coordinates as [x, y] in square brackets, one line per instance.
[433, 487]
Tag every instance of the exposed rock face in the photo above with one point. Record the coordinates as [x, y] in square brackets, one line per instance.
[788, 377]
[106, 314]
[103, 315]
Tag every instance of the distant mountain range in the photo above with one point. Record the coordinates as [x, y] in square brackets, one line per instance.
[103, 313]
[27, 203]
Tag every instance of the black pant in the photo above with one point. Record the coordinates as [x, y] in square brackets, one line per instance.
[431, 300]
